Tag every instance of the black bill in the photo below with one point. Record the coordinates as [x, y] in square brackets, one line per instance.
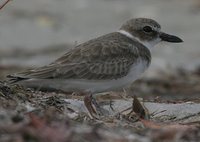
[170, 38]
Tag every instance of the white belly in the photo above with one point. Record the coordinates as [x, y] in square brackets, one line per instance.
[94, 86]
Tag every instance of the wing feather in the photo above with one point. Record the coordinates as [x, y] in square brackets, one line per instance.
[100, 58]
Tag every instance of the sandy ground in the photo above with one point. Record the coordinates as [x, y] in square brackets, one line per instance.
[169, 112]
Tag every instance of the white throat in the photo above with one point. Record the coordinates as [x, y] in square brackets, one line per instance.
[149, 45]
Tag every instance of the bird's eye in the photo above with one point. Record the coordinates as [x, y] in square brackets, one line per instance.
[147, 29]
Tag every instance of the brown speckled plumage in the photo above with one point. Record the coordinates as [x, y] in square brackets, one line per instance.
[107, 57]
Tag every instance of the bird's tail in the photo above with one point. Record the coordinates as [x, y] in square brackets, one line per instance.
[13, 79]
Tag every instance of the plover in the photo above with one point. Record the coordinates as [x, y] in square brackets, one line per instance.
[106, 63]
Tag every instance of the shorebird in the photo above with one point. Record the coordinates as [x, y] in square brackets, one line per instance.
[105, 63]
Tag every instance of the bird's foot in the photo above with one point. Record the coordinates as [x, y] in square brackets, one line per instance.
[92, 106]
[111, 105]
[140, 109]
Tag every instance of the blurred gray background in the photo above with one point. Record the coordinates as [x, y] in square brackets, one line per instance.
[35, 32]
